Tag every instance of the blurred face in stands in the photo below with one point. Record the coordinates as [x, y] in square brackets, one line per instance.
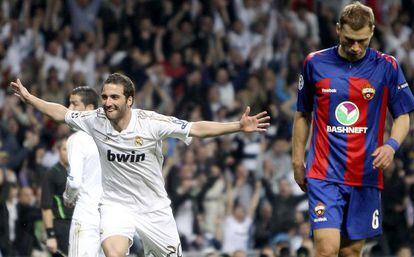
[266, 211]
[239, 213]
[222, 76]
[53, 47]
[284, 188]
[26, 196]
[114, 101]
[280, 146]
[176, 60]
[238, 27]
[241, 171]
[353, 43]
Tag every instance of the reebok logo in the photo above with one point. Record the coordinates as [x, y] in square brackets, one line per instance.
[120, 157]
[328, 90]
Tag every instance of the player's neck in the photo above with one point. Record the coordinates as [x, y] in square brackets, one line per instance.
[122, 123]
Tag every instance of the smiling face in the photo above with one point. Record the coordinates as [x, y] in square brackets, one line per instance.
[353, 43]
[114, 102]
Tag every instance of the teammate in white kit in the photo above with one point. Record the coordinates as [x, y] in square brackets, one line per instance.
[129, 142]
[84, 185]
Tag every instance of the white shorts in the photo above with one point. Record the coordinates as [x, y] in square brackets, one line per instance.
[84, 239]
[157, 229]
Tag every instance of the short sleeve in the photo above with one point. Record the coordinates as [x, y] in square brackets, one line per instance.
[400, 97]
[305, 89]
[169, 126]
[81, 120]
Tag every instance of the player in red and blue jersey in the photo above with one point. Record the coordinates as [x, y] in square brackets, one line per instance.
[348, 89]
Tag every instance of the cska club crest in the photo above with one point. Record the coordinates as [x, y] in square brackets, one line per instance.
[320, 209]
[138, 141]
[368, 92]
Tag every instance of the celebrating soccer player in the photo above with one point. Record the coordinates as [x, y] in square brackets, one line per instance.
[348, 89]
[129, 142]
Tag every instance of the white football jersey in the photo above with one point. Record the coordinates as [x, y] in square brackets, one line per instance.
[131, 160]
[84, 174]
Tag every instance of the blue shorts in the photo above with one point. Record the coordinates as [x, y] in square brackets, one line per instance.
[355, 211]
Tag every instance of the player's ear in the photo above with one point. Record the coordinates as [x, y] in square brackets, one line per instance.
[338, 28]
[130, 101]
[90, 107]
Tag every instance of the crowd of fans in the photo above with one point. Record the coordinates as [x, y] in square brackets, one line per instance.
[196, 60]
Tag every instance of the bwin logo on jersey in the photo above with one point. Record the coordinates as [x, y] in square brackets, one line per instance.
[121, 157]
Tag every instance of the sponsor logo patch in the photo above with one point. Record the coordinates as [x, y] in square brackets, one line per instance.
[347, 113]
[122, 157]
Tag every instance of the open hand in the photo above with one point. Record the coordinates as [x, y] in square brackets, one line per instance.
[256, 123]
[19, 90]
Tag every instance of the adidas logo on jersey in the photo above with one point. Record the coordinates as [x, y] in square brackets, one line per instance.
[120, 157]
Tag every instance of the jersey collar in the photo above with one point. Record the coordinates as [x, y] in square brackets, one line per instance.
[366, 56]
[129, 129]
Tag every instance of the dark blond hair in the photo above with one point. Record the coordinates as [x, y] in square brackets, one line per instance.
[357, 16]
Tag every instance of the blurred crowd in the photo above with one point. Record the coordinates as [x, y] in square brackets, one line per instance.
[196, 60]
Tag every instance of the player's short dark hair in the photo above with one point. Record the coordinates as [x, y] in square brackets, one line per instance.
[357, 16]
[88, 96]
[119, 79]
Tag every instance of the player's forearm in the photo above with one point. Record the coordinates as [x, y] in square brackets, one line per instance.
[400, 128]
[300, 136]
[56, 111]
[47, 216]
[211, 128]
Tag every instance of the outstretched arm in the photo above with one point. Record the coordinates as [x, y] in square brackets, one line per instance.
[247, 124]
[54, 110]
[384, 154]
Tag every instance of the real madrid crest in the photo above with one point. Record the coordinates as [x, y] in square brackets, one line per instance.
[368, 92]
[138, 141]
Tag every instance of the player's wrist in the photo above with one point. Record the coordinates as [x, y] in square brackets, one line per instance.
[393, 144]
[50, 233]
